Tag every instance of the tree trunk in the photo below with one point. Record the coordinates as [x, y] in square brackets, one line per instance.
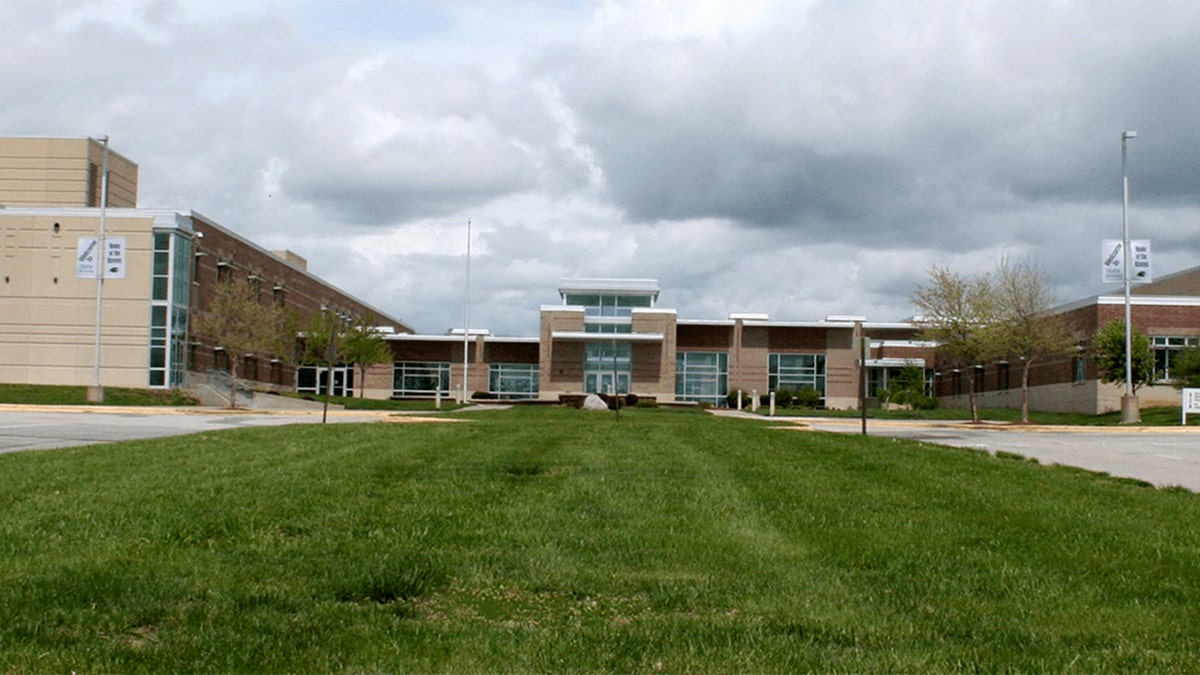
[232, 382]
[974, 403]
[1025, 391]
[362, 381]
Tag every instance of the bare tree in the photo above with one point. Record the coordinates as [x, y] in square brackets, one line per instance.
[237, 322]
[1026, 327]
[958, 313]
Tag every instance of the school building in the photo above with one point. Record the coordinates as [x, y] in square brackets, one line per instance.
[160, 268]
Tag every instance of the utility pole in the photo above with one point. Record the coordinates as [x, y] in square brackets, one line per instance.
[95, 393]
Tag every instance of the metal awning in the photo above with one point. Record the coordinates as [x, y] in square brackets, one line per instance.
[896, 363]
[582, 336]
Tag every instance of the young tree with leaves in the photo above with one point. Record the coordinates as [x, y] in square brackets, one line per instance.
[958, 313]
[364, 347]
[1185, 368]
[1108, 351]
[237, 322]
[1026, 327]
[324, 338]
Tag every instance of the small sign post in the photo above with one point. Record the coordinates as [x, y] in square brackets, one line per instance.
[1191, 403]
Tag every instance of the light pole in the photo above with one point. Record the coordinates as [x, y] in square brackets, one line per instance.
[95, 393]
[1129, 403]
[467, 318]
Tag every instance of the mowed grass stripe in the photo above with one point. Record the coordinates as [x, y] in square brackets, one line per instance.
[557, 540]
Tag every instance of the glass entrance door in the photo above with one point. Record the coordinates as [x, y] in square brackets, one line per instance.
[601, 382]
[315, 380]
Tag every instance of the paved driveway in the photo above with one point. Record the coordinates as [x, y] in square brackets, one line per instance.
[41, 428]
[1160, 455]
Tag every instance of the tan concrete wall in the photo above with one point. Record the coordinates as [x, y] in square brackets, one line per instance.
[749, 359]
[560, 365]
[842, 372]
[48, 315]
[55, 172]
[653, 363]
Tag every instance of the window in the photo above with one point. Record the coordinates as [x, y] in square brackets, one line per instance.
[793, 372]
[170, 288]
[881, 378]
[93, 185]
[416, 378]
[1165, 348]
[603, 362]
[702, 377]
[608, 328]
[316, 380]
[608, 305]
[280, 295]
[513, 380]
[249, 368]
[224, 272]
[220, 360]
[1002, 375]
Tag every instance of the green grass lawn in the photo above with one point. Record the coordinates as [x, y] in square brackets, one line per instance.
[549, 539]
[355, 403]
[43, 394]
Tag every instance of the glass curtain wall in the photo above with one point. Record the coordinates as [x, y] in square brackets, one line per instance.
[170, 288]
[606, 364]
[608, 304]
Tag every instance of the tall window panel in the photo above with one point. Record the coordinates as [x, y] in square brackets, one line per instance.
[169, 292]
[702, 377]
[513, 380]
[420, 379]
[797, 371]
[1166, 349]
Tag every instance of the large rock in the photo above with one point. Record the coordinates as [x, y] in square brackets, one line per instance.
[594, 402]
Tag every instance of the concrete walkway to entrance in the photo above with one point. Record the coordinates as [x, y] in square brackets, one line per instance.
[1160, 455]
[29, 427]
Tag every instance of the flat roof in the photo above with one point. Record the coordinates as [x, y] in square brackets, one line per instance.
[630, 286]
[582, 336]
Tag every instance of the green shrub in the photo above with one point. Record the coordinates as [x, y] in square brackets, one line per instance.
[807, 398]
[731, 399]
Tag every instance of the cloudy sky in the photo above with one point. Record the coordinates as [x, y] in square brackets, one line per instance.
[796, 158]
